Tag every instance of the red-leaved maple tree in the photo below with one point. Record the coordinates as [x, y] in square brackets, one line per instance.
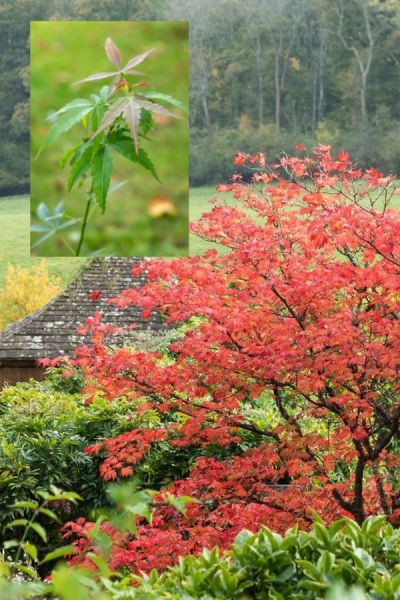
[293, 344]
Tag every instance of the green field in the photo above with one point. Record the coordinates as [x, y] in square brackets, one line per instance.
[14, 241]
[199, 204]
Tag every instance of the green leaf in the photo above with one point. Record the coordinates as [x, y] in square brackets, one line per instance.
[39, 530]
[80, 164]
[132, 116]
[27, 570]
[310, 569]
[40, 228]
[97, 115]
[363, 559]
[243, 537]
[49, 513]
[30, 550]
[78, 103]
[179, 502]
[67, 155]
[18, 523]
[43, 212]
[146, 121]
[70, 584]
[125, 147]
[100, 564]
[25, 504]
[10, 544]
[101, 173]
[59, 553]
[169, 99]
[64, 123]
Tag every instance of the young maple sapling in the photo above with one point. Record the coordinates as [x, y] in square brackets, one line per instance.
[113, 120]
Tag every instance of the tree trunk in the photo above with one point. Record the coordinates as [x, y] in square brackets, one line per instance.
[277, 88]
[260, 82]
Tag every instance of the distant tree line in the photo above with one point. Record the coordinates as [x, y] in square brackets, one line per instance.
[265, 74]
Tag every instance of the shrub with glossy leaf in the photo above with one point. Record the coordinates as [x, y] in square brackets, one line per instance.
[43, 436]
[298, 566]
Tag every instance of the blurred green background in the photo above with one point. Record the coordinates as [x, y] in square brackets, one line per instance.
[62, 53]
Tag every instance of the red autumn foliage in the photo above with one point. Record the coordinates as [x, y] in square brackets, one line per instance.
[124, 451]
[303, 308]
[95, 295]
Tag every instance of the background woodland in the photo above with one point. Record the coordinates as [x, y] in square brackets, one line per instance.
[264, 75]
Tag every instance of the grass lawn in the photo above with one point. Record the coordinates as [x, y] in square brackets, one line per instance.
[14, 241]
[198, 204]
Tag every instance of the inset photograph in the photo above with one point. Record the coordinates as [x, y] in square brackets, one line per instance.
[109, 138]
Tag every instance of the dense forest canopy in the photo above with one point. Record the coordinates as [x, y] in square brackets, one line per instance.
[264, 75]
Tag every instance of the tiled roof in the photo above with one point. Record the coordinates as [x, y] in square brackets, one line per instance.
[52, 330]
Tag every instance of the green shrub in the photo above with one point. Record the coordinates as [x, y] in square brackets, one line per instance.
[298, 566]
[43, 434]
[45, 428]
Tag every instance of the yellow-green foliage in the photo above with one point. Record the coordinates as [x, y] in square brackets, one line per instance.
[26, 290]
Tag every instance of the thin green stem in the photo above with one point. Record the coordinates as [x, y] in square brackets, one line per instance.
[26, 530]
[83, 228]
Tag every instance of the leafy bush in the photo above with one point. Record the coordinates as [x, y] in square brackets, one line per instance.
[299, 565]
[27, 550]
[43, 434]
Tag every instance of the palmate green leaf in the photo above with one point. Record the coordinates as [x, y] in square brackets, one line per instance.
[169, 99]
[66, 157]
[146, 122]
[131, 115]
[74, 104]
[130, 108]
[97, 115]
[80, 164]
[110, 116]
[123, 145]
[101, 174]
[64, 123]
[157, 108]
